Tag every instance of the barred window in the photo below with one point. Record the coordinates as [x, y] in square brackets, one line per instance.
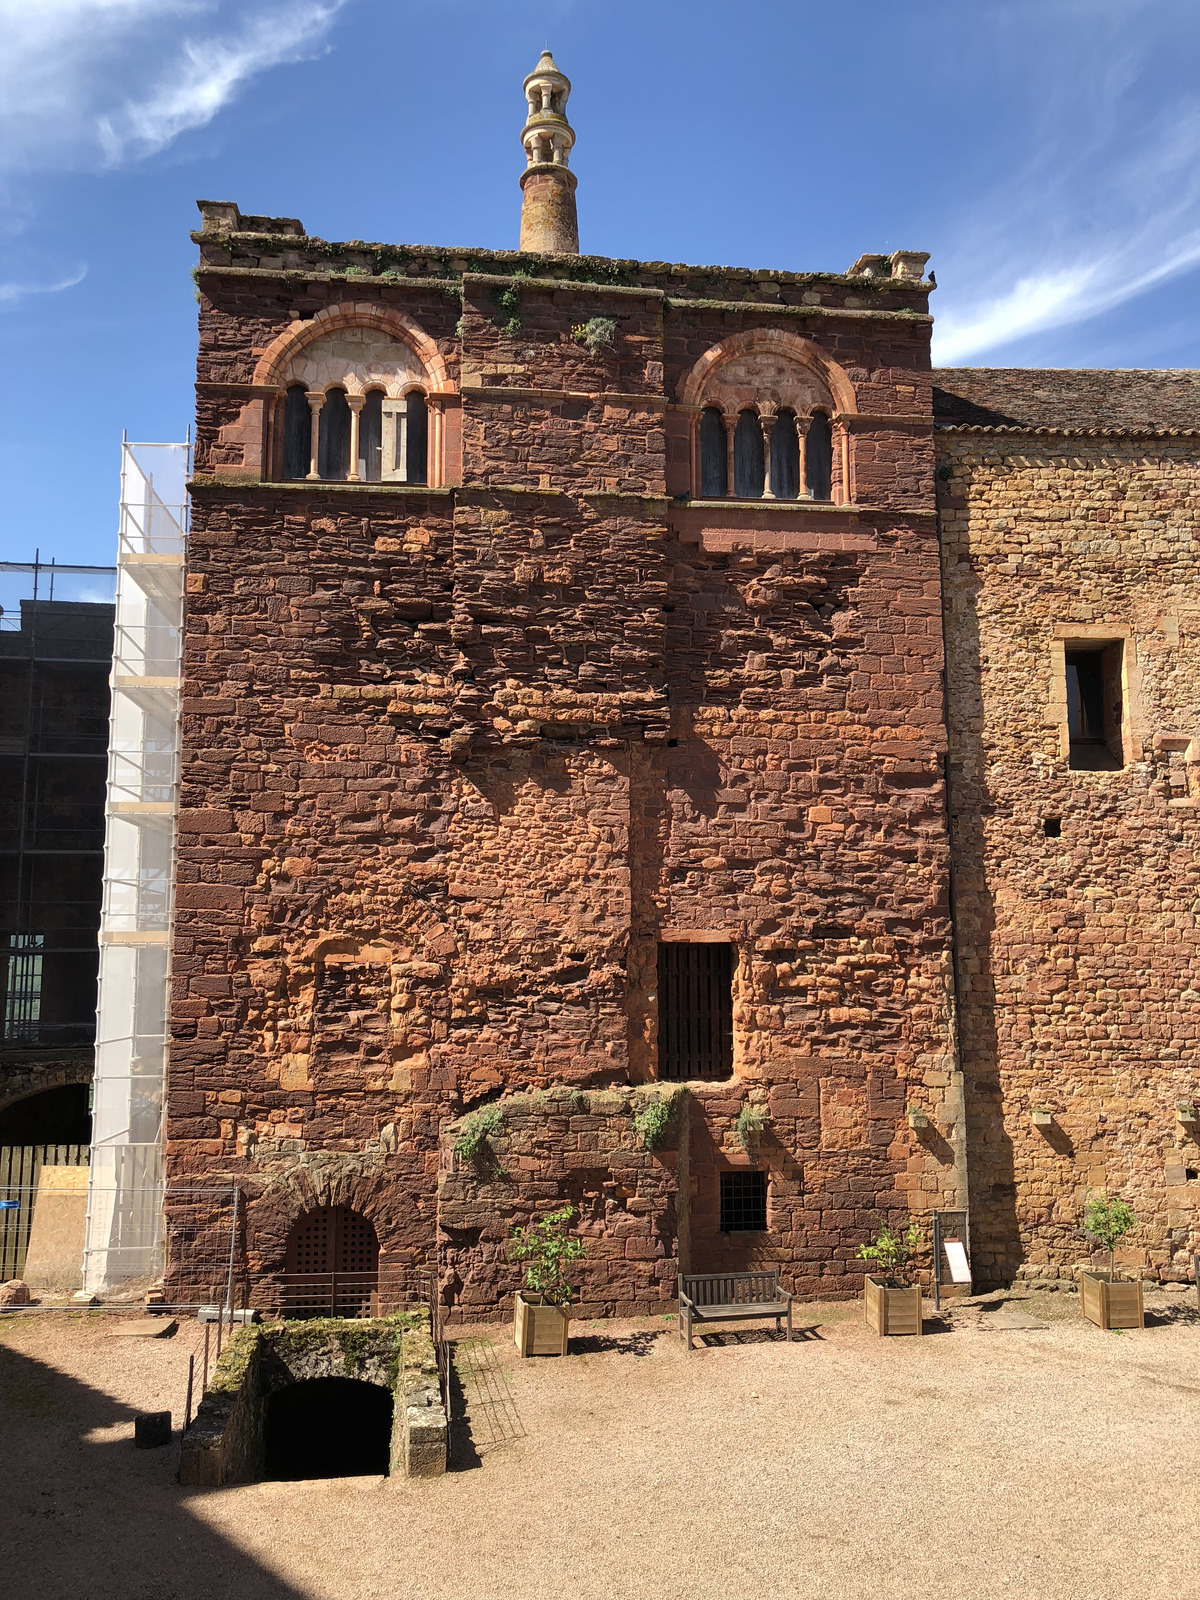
[695, 1011]
[743, 1202]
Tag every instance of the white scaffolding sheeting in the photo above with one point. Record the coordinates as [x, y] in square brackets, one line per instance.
[124, 1227]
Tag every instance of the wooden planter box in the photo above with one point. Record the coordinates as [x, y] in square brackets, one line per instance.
[892, 1307]
[540, 1330]
[1111, 1305]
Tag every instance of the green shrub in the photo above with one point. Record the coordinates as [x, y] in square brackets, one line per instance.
[475, 1130]
[751, 1120]
[892, 1251]
[1108, 1221]
[652, 1120]
[598, 333]
[548, 1249]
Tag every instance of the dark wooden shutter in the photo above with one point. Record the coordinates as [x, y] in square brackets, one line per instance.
[695, 1011]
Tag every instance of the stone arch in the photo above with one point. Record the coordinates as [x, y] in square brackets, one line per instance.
[768, 342]
[31, 1079]
[286, 346]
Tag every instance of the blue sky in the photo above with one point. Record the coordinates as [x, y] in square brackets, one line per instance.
[1047, 153]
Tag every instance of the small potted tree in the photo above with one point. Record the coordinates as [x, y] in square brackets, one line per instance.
[891, 1302]
[1105, 1301]
[543, 1307]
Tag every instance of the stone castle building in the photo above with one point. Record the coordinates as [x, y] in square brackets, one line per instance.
[652, 743]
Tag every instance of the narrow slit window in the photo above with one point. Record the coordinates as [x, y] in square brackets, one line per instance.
[785, 457]
[748, 475]
[714, 474]
[297, 433]
[743, 1202]
[1095, 708]
[333, 449]
[818, 457]
[695, 1011]
[417, 444]
[370, 438]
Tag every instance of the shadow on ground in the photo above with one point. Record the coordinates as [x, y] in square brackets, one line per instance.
[93, 1517]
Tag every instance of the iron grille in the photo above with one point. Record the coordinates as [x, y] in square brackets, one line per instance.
[695, 1011]
[743, 1202]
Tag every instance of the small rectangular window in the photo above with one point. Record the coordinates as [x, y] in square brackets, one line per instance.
[743, 1202]
[1095, 707]
[695, 1011]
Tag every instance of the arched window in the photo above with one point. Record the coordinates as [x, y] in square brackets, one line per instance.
[370, 438]
[714, 466]
[297, 433]
[333, 449]
[785, 457]
[818, 457]
[332, 1264]
[748, 474]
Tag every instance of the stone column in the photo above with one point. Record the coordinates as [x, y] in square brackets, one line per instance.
[356, 403]
[315, 402]
[731, 423]
[766, 417]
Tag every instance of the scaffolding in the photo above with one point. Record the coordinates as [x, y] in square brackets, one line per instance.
[124, 1243]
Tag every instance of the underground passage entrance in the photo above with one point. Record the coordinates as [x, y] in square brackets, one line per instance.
[328, 1428]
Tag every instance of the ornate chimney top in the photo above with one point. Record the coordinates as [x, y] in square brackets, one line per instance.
[549, 224]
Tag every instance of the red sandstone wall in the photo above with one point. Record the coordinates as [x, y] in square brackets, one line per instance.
[454, 760]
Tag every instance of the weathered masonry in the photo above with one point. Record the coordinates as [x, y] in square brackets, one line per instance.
[564, 769]
[1069, 506]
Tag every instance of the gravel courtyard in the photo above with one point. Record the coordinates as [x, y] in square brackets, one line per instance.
[981, 1460]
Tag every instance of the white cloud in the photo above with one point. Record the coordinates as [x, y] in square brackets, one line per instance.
[93, 83]
[10, 293]
[1106, 204]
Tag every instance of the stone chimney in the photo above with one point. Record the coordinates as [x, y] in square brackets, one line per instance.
[549, 224]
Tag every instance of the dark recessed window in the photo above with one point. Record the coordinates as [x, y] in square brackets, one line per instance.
[297, 433]
[333, 437]
[695, 1011]
[1095, 708]
[785, 457]
[743, 1202]
[714, 464]
[748, 463]
[1052, 827]
[818, 457]
[370, 438]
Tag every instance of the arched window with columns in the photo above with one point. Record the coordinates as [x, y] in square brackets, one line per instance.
[779, 406]
[375, 390]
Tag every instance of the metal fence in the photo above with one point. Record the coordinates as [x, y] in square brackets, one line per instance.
[20, 1171]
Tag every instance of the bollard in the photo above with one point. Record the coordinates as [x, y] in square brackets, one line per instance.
[152, 1429]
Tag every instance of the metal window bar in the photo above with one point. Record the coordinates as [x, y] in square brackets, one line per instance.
[695, 1011]
[743, 1202]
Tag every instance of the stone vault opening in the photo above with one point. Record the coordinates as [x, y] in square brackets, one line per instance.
[327, 1428]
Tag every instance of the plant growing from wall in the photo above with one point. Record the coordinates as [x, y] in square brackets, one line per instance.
[891, 1251]
[652, 1121]
[475, 1131]
[598, 333]
[751, 1120]
[549, 1250]
[509, 302]
[1108, 1221]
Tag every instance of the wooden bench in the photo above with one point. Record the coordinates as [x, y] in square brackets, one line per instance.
[732, 1297]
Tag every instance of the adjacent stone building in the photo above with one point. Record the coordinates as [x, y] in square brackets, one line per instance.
[570, 658]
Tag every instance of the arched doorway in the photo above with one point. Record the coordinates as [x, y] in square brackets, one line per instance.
[328, 1428]
[59, 1116]
[332, 1264]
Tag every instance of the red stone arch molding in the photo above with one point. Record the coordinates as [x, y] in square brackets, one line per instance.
[768, 342]
[252, 436]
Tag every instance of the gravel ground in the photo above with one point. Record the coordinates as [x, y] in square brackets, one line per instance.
[975, 1462]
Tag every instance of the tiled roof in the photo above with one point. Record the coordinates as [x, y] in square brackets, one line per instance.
[1067, 400]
